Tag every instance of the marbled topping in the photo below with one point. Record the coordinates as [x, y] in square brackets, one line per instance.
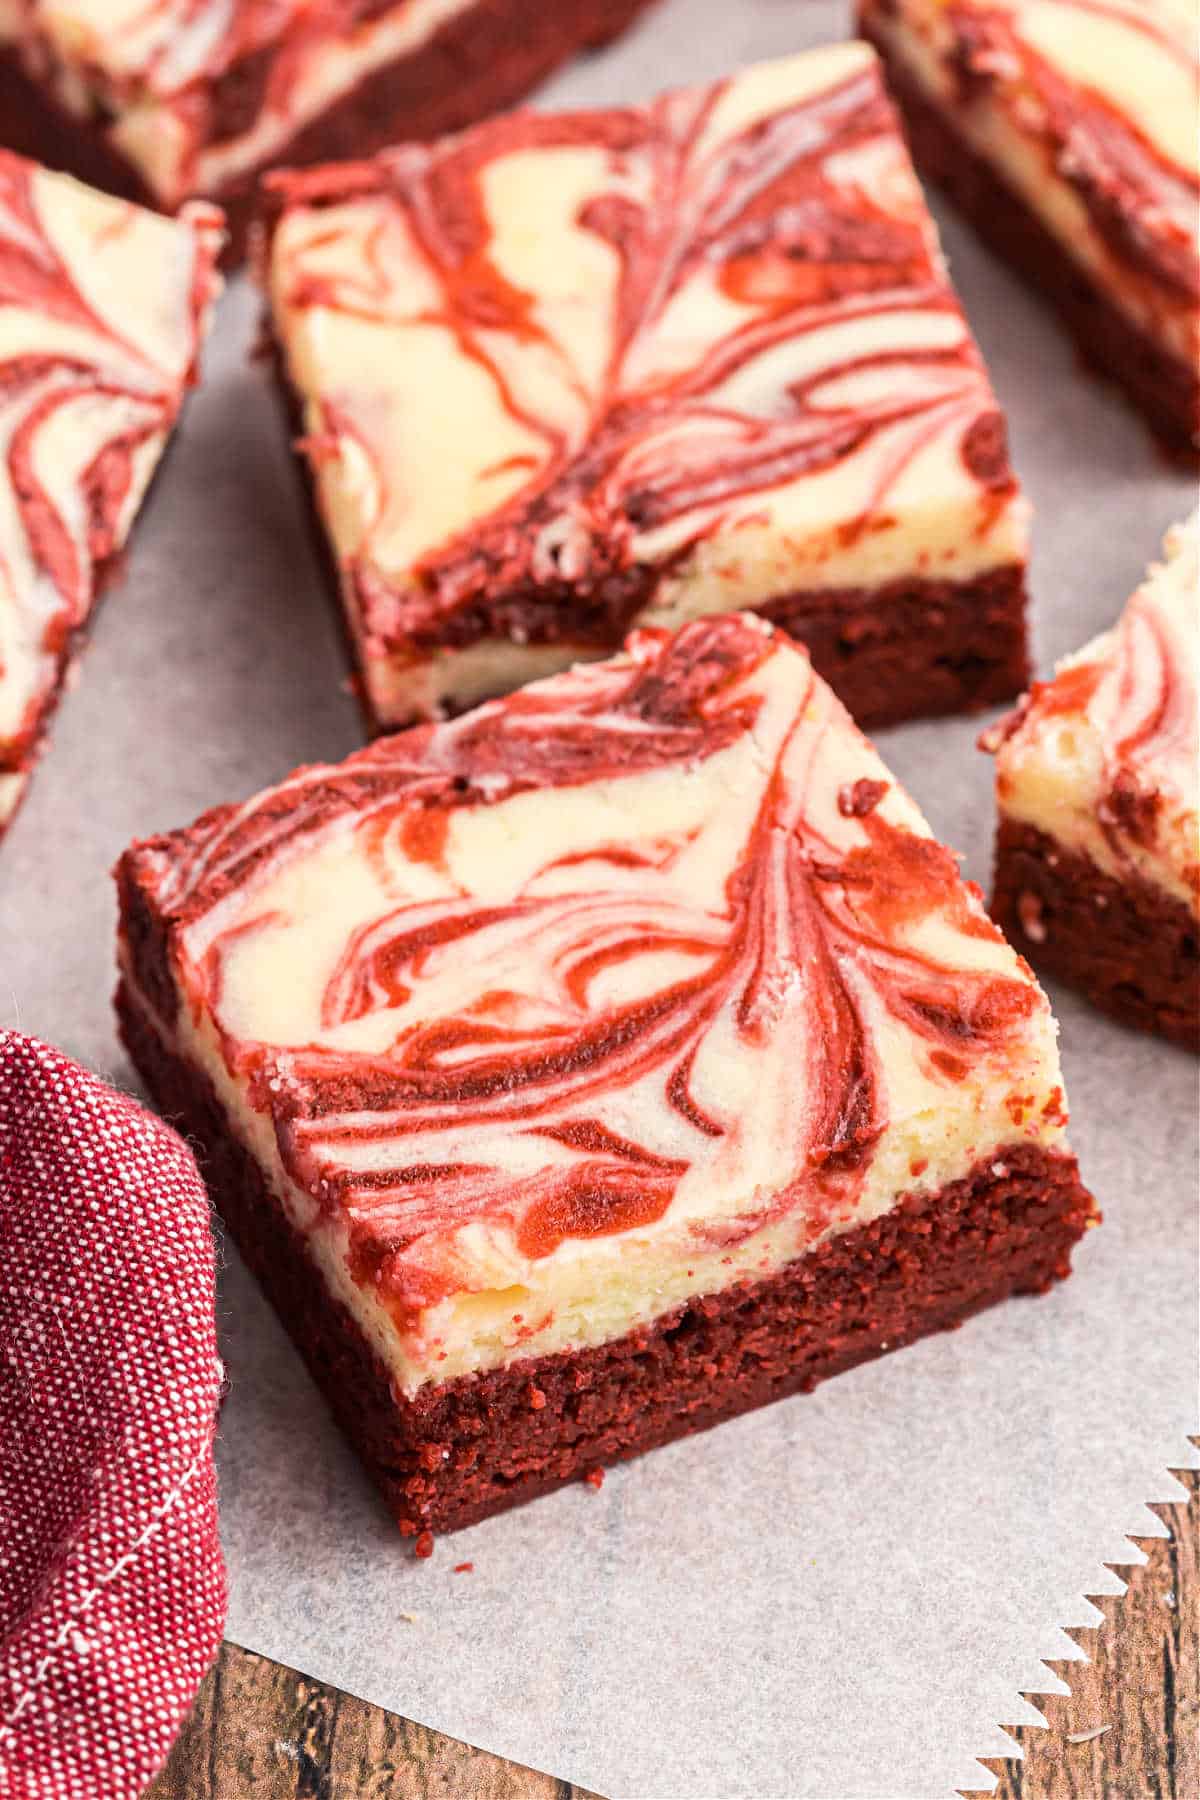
[1106, 757]
[197, 92]
[565, 373]
[1115, 87]
[1091, 107]
[163, 46]
[102, 307]
[616, 991]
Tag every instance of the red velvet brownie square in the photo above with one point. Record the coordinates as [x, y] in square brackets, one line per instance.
[103, 307]
[163, 100]
[579, 1073]
[1098, 789]
[1066, 132]
[565, 375]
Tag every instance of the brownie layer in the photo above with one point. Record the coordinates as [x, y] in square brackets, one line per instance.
[478, 63]
[455, 1453]
[1164, 387]
[907, 649]
[1132, 949]
[33, 124]
[914, 648]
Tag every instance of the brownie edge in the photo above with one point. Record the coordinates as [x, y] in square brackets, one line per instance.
[1130, 948]
[911, 648]
[455, 1453]
[1164, 388]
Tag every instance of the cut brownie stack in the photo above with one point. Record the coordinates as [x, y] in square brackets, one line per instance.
[1098, 788]
[566, 374]
[161, 100]
[102, 310]
[581, 1072]
[1067, 132]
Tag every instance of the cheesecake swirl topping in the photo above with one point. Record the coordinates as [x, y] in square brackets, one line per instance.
[1123, 718]
[195, 93]
[161, 47]
[551, 363]
[102, 306]
[1113, 87]
[654, 947]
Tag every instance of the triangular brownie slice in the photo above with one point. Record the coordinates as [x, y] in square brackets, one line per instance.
[103, 308]
[1098, 790]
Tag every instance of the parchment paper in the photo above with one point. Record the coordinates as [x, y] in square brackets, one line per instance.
[839, 1596]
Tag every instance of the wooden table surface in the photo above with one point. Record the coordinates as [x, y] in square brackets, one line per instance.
[1128, 1729]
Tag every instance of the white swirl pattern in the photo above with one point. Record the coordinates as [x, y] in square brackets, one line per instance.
[624, 988]
[102, 309]
[1105, 759]
[725, 368]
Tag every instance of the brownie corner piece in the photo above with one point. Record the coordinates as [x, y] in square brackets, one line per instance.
[578, 1073]
[103, 310]
[726, 371]
[1065, 132]
[1098, 844]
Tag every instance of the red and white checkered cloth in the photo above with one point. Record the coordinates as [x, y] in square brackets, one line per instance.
[112, 1588]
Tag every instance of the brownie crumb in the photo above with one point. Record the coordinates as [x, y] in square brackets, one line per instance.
[858, 798]
[424, 1544]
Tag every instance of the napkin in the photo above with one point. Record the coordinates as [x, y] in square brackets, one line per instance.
[112, 1587]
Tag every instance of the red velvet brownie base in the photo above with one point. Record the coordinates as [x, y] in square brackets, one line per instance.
[906, 650]
[474, 65]
[914, 649]
[909, 649]
[1131, 949]
[1165, 388]
[473, 1446]
[32, 124]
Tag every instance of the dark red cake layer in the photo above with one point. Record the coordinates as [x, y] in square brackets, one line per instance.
[1131, 949]
[476, 64]
[476, 1445]
[908, 649]
[33, 124]
[914, 648]
[1164, 387]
